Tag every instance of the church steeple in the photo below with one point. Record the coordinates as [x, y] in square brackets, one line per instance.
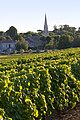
[46, 33]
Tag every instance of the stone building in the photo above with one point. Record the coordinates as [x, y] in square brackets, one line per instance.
[34, 41]
[7, 45]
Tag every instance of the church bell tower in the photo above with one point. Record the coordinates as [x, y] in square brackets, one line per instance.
[46, 33]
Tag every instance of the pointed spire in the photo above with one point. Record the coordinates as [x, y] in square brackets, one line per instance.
[45, 20]
[46, 33]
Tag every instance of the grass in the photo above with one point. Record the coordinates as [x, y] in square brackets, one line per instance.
[8, 58]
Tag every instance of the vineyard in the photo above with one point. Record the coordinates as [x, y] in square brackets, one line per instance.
[33, 86]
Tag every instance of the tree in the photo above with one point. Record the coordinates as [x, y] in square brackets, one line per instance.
[48, 38]
[64, 41]
[21, 51]
[66, 27]
[21, 44]
[30, 33]
[43, 38]
[50, 44]
[12, 32]
[15, 51]
[61, 27]
[72, 30]
[55, 29]
[8, 38]
[76, 42]
[1, 33]
[30, 51]
[2, 38]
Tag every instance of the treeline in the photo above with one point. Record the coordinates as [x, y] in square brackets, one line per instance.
[12, 34]
[61, 37]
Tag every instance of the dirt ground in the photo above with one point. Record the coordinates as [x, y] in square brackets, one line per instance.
[73, 114]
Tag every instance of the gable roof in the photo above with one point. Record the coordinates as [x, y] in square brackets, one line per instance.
[7, 41]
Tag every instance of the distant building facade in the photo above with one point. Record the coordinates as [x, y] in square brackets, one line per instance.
[7, 45]
[34, 41]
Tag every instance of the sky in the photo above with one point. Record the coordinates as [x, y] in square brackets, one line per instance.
[28, 15]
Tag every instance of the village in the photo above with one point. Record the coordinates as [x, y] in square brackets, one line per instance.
[34, 41]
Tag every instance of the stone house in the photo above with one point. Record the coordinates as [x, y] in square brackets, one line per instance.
[7, 45]
[34, 41]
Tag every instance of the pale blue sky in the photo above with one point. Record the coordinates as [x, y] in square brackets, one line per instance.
[28, 15]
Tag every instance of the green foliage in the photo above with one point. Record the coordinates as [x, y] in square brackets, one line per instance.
[21, 44]
[32, 87]
[2, 38]
[15, 51]
[50, 44]
[30, 50]
[37, 51]
[12, 32]
[8, 38]
[64, 41]
[76, 42]
[2, 115]
[21, 51]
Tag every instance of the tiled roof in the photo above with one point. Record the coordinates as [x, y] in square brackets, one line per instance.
[7, 41]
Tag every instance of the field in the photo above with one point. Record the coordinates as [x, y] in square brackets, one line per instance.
[32, 86]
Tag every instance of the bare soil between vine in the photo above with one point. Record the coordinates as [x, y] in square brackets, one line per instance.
[72, 114]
